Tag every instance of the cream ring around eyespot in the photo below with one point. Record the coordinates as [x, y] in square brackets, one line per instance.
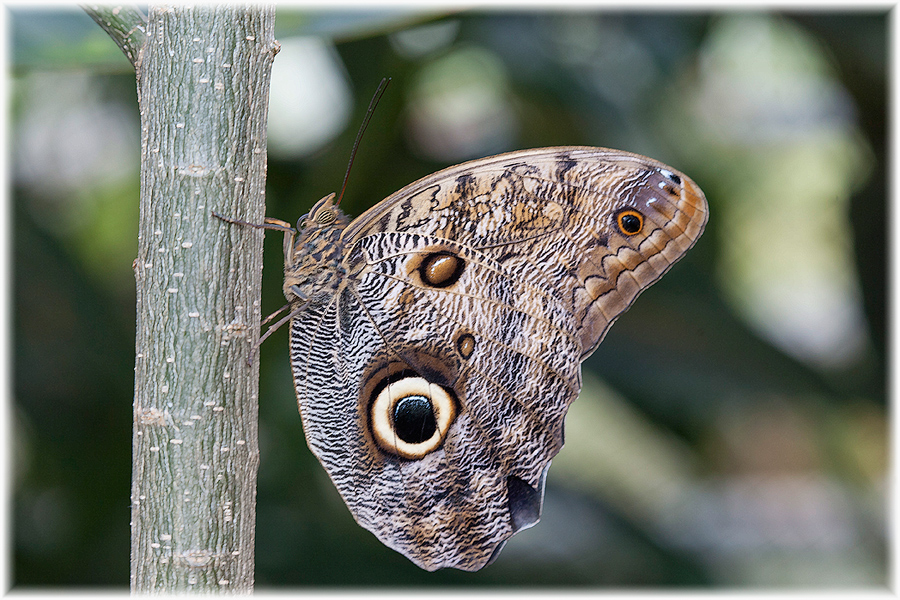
[382, 416]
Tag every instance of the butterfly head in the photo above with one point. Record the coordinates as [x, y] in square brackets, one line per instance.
[323, 215]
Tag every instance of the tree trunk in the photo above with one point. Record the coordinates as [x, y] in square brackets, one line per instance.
[203, 83]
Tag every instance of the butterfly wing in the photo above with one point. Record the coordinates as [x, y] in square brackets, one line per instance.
[480, 288]
[551, 216]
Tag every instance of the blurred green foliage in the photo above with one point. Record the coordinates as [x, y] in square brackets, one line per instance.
[732, 431]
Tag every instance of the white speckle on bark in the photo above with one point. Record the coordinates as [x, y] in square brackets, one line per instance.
[197, 558]
[151, 416]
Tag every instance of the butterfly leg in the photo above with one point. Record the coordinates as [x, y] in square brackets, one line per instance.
[274, 327]
[294, 313]
[281, 321]
[272, 316]
[270, 223]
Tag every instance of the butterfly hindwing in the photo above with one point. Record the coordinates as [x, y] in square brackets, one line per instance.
[506, 355]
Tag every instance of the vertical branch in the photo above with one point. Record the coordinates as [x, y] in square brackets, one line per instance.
[203, 94]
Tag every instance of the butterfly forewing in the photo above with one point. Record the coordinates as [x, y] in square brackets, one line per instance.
[550, 216]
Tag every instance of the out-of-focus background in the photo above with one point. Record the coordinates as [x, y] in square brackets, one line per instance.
[732, 430]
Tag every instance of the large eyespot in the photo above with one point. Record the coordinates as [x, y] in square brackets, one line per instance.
[411, 417]
[441, 269]
[629, 221]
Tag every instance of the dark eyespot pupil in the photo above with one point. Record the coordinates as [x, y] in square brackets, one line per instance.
[414, 419]
[630, 223]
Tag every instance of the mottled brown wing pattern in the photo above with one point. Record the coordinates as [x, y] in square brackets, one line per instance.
[548, 215]
[438, 340]
[513, 384]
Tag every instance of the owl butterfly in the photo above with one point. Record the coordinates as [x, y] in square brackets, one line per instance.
[436, 341]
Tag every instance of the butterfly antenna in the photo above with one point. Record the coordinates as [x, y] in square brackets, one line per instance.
[378, 94]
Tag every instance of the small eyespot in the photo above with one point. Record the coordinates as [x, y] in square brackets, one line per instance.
[630, 221]
[441, 269]
[465, 345]
[411, 417]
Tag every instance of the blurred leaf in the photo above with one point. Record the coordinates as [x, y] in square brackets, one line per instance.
[347, 24]
[62, 38]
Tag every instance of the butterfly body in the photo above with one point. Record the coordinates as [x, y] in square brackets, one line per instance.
[314, 253]
[438, 338]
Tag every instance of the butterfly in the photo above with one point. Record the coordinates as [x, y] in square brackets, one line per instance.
[436, 340]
